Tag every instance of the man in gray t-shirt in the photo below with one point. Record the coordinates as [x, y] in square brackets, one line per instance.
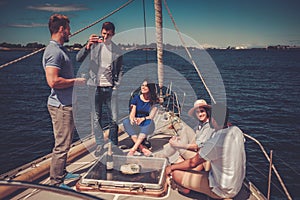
[60, 78]
[54, 55]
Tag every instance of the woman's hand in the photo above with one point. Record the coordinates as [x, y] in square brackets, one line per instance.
[132, 121]
[139, 120]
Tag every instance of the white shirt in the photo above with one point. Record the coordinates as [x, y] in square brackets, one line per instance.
[105, 71]
[203, 133]
[226, 152]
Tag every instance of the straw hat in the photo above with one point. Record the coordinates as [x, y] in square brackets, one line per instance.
[200, 103]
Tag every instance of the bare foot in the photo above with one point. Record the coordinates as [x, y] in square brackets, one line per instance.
[146, 152]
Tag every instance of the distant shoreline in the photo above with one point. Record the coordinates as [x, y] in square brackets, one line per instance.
[71, 48]
[17, 49]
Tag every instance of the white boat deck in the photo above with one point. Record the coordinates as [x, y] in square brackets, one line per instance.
[80, 164]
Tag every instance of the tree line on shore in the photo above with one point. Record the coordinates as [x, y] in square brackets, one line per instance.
[33, 45]
[77, 46]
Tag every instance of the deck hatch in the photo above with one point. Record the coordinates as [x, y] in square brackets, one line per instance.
[150, 180]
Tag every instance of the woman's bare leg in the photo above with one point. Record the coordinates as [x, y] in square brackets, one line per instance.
[177, 176]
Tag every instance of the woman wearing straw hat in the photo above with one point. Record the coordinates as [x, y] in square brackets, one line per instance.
[201, 111]
[226, 152]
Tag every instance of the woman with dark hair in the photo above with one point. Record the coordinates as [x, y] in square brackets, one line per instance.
[201, 111]
[140, 122]
[188, 144]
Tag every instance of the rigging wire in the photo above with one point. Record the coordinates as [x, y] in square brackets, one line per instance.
[102, 18]
[145, 30]
[80, 30]
[188, 52]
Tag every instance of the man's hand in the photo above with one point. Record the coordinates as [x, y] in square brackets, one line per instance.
[80, 81]
[92, 39]
[168, 170]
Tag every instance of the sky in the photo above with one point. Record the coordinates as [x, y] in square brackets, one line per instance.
[213, 23]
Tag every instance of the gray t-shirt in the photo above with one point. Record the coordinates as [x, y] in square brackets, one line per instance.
[56, 55]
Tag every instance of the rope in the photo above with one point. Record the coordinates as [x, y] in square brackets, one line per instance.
[188, 52]
[80, 30]
[104, 17]
[21, 58]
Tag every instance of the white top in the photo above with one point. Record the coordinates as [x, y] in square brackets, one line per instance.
[226, 152]
[104, 72]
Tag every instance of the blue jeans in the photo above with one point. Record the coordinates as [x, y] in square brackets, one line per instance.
[147, 127]
[103, 97]
[63, 129]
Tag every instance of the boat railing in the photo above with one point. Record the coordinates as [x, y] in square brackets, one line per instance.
[175, 105]
[272, 167]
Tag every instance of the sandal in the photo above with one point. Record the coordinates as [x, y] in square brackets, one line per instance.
[145, 150]
[131, 152]
[147, 143]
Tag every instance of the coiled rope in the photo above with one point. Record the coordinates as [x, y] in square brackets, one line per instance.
[80, 30]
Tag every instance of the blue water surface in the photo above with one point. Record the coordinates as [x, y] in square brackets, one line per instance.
[262, 90]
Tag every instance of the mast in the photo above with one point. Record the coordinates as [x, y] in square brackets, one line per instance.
[159, 43]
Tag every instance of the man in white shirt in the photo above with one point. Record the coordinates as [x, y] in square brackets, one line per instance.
[225, 150]
[103, 63]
